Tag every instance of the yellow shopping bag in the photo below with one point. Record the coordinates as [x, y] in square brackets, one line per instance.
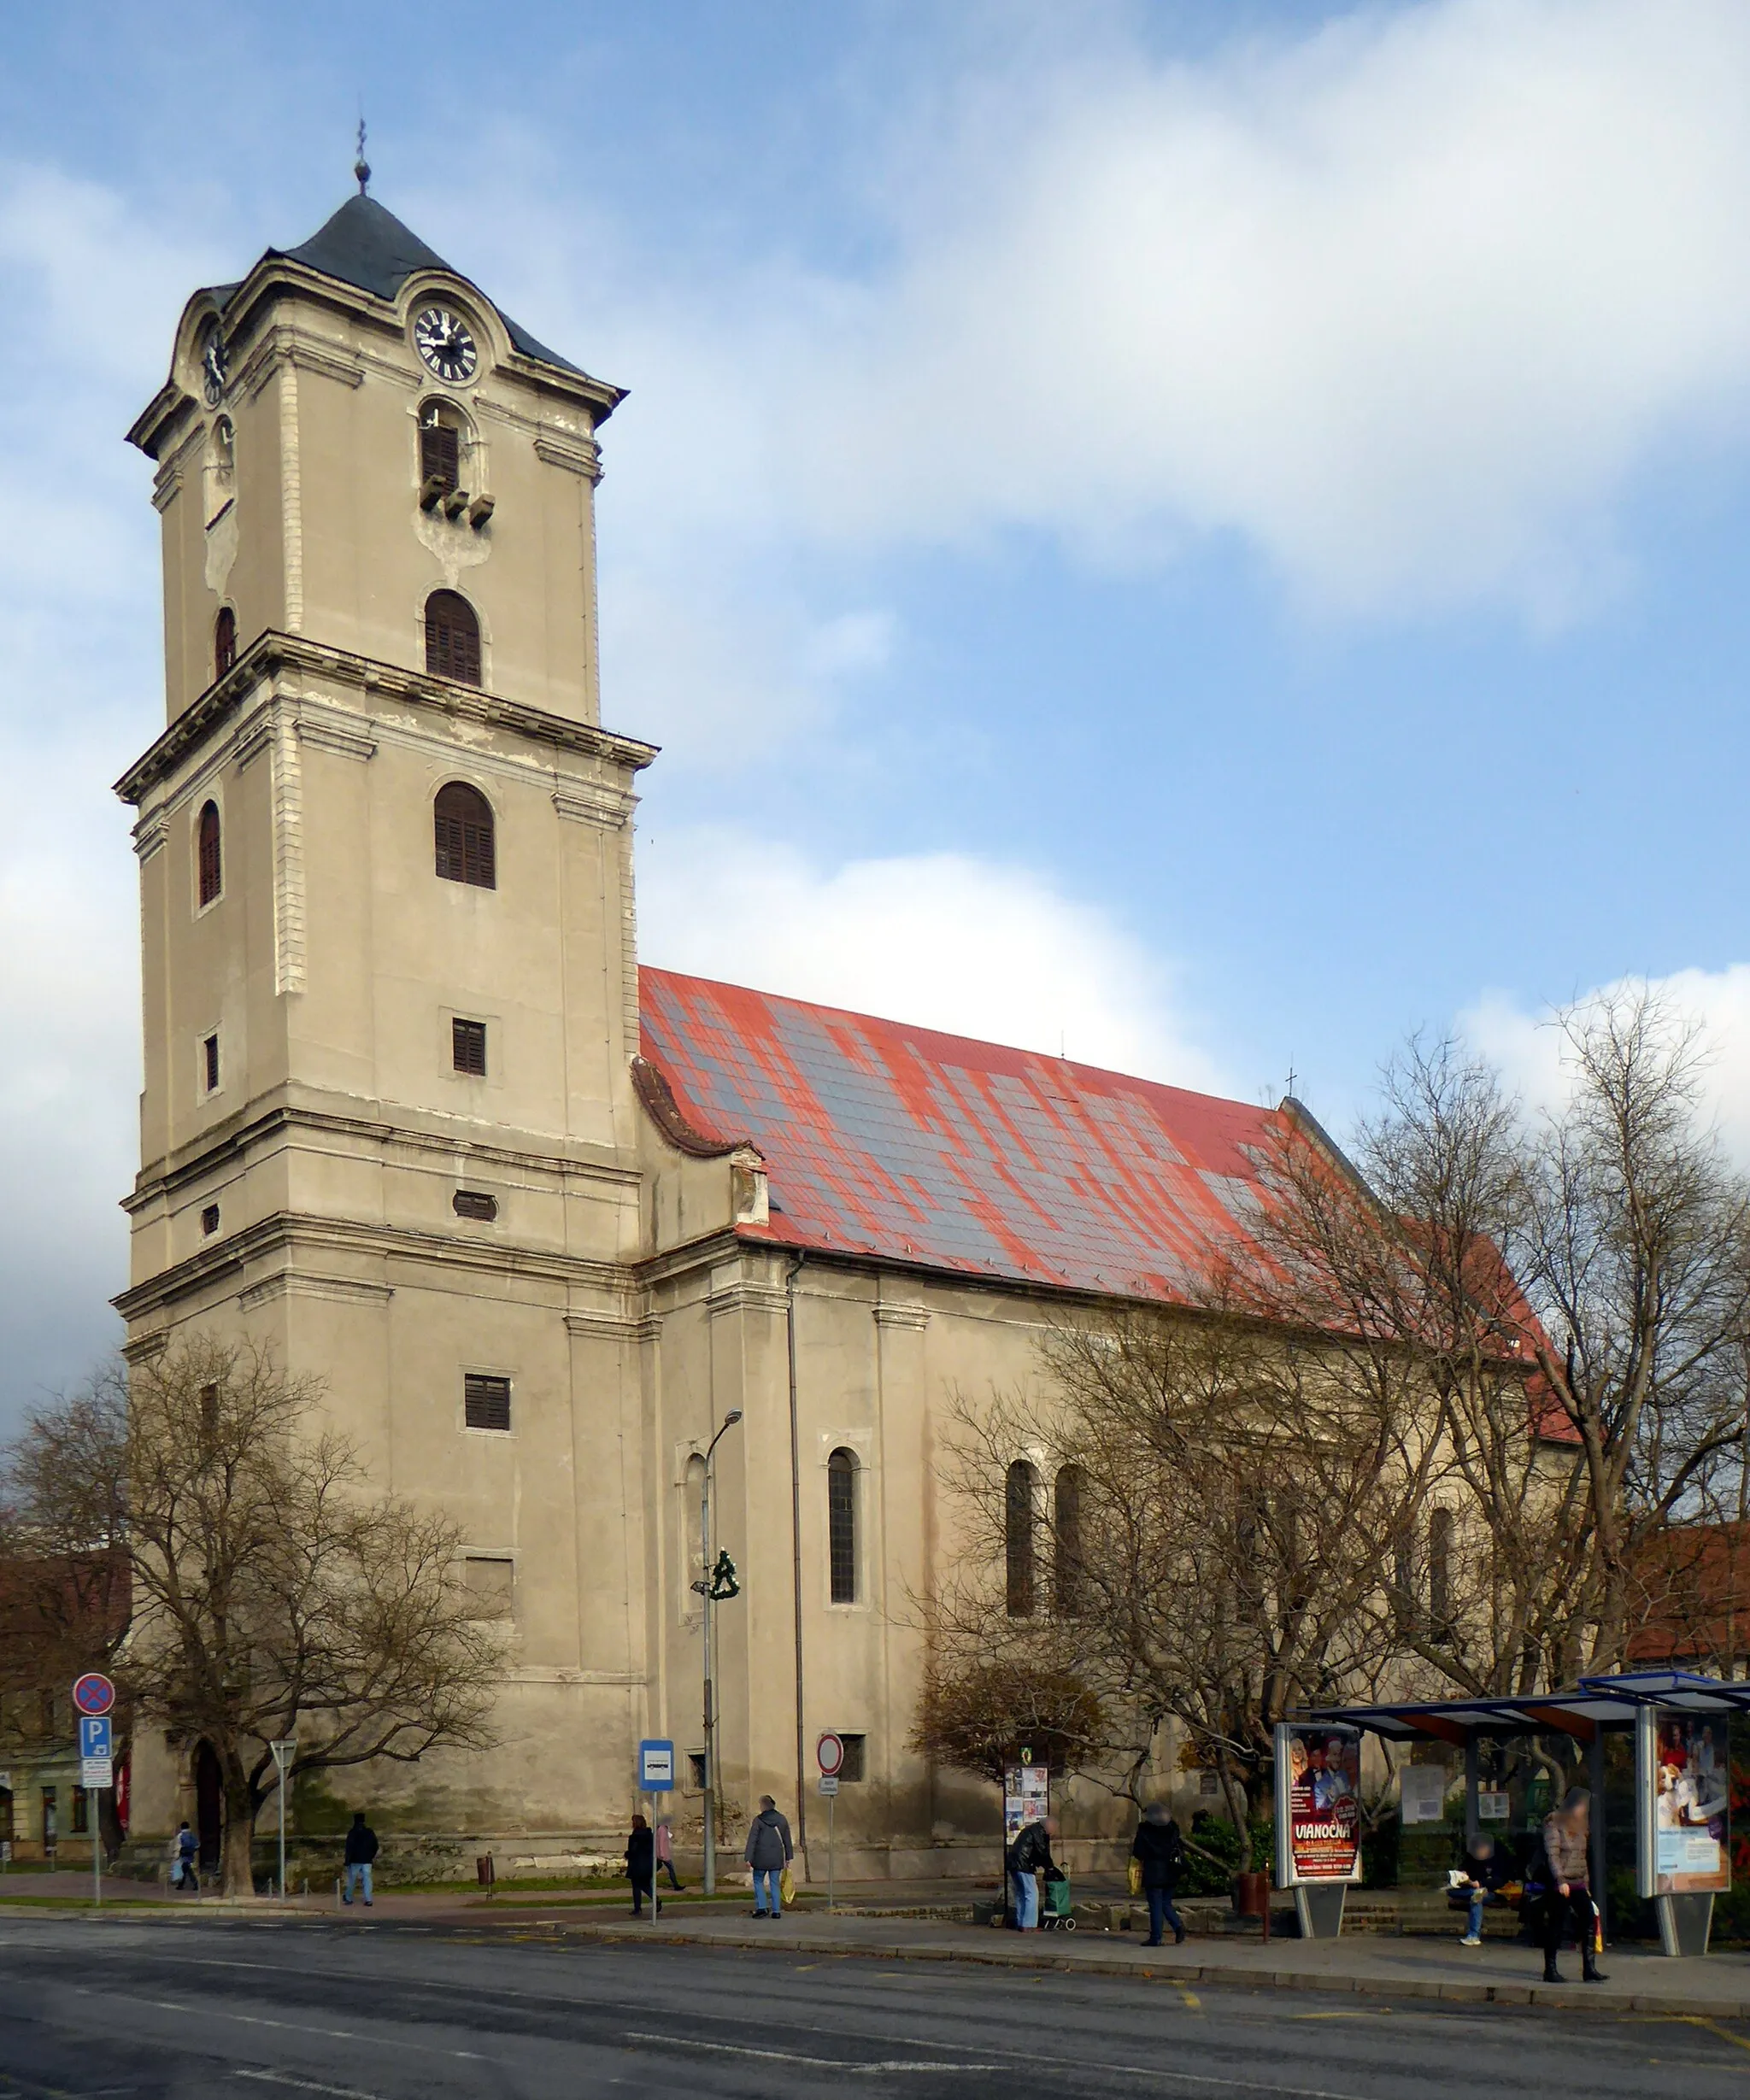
[1133, 1877]
[786, 1887]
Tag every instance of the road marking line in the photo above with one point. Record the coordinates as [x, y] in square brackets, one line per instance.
[1700, 2020]
[810, 2063]
[307, 2084]
[1191, 2001]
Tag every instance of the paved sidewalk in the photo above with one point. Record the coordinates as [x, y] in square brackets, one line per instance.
[1639, 1981]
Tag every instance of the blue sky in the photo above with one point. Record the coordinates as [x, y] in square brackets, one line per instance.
[1209, 534]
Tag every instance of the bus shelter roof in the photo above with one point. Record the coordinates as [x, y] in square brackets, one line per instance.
[1595, 1703]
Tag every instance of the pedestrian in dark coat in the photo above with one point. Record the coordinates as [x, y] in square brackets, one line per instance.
[1029, 1861]
[360, 1852]
[641, 1866]
[768, 1851]
[1160, 1850]
[1567, 1843]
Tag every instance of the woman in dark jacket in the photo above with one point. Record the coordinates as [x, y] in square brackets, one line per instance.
[1160, 1852]
[640, 1865]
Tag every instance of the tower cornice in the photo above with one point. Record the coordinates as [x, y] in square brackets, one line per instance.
[274, 654]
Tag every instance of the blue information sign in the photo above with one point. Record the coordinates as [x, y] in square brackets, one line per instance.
[655, 1767]
[94, 1735]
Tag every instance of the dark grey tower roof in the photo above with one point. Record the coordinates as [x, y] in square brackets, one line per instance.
[367, 247]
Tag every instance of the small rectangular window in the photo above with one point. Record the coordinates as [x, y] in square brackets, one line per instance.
[696, 1768]
[492, 1586]
[209, 1062]
[467, 1040]
[474, 1203]
[210, 1219]
[81, 1810]
[486, 1401]
[856, 1758]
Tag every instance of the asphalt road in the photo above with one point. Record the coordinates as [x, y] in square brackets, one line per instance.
[249, 2011]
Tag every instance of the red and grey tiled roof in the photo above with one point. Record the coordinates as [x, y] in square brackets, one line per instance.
[912, 1146]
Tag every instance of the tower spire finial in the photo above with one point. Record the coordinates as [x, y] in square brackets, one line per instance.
[361, 166]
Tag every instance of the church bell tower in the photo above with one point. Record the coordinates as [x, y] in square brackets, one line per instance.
[388, 1128]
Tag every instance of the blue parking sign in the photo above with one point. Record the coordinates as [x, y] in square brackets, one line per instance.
[94, 1735]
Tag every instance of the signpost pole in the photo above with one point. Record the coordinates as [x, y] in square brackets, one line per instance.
[93, 1696]
[283, 1749]
[831, 1816]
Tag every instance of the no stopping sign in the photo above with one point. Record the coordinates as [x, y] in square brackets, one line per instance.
[829, 1755]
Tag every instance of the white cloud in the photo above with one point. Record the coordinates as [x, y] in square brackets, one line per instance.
[1407, 305]
[941, 940]
[1528, 1046]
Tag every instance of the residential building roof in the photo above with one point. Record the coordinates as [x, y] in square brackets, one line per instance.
[887, 1141]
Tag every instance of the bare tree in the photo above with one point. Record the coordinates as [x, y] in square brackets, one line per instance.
[1573, 1289]
[64, 1575]
[1450, 1419]
[1216, 1562]
[272, 1595]
[978, 1715]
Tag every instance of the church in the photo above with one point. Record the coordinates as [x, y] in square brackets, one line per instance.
[543, 1220]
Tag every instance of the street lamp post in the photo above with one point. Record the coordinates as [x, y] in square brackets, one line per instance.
[705, 1586]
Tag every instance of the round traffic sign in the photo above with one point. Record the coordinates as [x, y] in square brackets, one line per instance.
[93, 1694]
[829, 1754]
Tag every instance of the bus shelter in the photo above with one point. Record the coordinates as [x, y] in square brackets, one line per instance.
[1682, 1786]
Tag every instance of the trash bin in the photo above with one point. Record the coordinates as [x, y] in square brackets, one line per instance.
[1252, 1898]
[485, 1868]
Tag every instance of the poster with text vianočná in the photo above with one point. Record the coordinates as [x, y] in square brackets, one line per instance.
[1321, 1790]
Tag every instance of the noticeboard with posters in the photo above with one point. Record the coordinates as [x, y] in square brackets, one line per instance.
[1685, 1780]
[1318, 1802]
[1026, 1795]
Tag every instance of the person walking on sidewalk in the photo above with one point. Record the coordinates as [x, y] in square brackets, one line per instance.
[185, 1860]
[1029, 1857]
[1486, 1873]
[641, 1867]
[664, 1851]
[360, 1851]
[768, 1851]
[1567, 1839]
[1160, 1850]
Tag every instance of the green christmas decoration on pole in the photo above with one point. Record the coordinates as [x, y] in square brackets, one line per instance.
[723, 1579]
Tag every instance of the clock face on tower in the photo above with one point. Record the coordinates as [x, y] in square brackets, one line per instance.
[442, 338]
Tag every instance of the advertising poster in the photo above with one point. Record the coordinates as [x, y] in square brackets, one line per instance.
[1319, 1802]
[1025, 1794]
[1691, 1817]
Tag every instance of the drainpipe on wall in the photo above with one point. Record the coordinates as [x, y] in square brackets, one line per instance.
[796, 1535]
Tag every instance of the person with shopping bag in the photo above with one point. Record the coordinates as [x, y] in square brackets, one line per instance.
[769, 1852]
[1157, 1860]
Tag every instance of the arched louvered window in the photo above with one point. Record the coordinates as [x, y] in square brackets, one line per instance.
[1066, 1540]
[224, 642]
[452, 638]
[842, 1525]
[1020, 1492]
[209, 863]
[462, 822]
[443, 440]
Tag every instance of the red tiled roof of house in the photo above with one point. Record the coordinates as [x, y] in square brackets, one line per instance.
[898, 1142]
